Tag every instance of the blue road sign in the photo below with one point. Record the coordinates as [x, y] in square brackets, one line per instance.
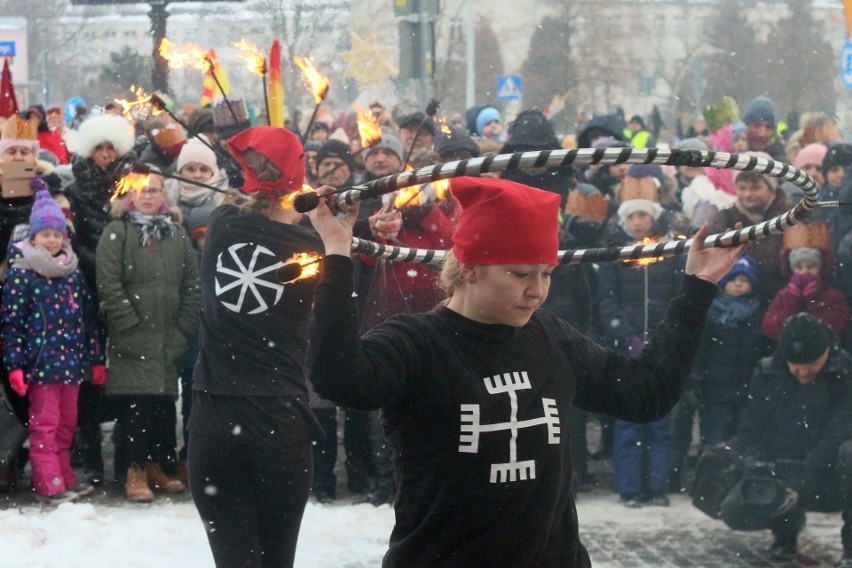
[846, 64]
[509, 87]
[7, 49]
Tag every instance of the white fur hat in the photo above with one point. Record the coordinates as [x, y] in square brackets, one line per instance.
[105, 128]
[631, 206]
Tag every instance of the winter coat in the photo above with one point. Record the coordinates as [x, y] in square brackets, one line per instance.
[828, 304]
[150, 298]
[766, 251]
[788, 420]
[89, 196]
[630, 295]
[50, 328]
[728, 352]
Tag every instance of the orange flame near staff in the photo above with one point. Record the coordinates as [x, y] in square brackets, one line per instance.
[287, 200]
[189, 55]
[133, 181]
[141, 107]
[255, 60]
[441, 187]
[368, 129]
[445, 128]
[318, 83]
[309, 261]
[644, 261]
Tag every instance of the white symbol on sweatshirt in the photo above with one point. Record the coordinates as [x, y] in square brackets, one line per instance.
[248, 278]
[471, 428]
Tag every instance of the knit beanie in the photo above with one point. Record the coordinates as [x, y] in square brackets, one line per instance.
[46, 214]
[201, 120]
[811, 154]
[196, 152]
[838, 154]
[390, 140]
[804, 338]
[692, 144]
[486, 115]
[760, 109]
[737, 128]
[503, 222]
[414, 120]
[335, 149]
[640, 171]
[531, 131]
[745, 266]
[454, 143]
[805, 254]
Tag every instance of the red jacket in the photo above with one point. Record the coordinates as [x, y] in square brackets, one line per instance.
[51, 140]
[828, 304]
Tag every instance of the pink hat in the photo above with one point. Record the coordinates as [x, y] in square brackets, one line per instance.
[811, 154]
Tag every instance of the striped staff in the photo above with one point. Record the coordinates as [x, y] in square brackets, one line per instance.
[347, 197]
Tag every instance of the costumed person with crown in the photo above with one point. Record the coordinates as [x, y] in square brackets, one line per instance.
[477, 394]
[250, 451]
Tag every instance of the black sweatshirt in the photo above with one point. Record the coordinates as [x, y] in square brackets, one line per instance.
[478, 417]
[249, 377]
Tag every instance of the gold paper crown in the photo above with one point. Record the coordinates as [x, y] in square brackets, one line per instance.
[812, 235]
[641, 188]
[722, 112]
[17, 128]
[594, 206]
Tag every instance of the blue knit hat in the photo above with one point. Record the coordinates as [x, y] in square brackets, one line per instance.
[746, 266]
[486, 115]
[46, 214]
[760, 108]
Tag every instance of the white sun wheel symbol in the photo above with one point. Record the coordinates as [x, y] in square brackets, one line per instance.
[247, 278]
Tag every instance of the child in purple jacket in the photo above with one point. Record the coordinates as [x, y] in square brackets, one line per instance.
[51, 344]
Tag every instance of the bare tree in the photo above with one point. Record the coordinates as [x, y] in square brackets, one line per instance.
[489, 62]
[548, 69]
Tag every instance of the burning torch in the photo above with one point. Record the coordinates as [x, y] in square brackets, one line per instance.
[256, 62]
[318, 85]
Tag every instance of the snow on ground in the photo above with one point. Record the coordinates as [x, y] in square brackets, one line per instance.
[341, 535]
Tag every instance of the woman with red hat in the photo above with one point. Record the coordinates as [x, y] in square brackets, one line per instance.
[249, 457]
[476, 393]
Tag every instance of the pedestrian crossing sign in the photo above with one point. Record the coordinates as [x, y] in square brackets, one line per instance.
[509, 88]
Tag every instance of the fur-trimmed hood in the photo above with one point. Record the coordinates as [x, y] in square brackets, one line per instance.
[100, 129]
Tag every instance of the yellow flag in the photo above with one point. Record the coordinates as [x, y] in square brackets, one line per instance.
[210, 91]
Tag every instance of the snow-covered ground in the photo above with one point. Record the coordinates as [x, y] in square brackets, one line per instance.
[340, 535]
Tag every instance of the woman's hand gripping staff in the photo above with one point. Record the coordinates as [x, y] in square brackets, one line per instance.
[711, 263]
[335, 232]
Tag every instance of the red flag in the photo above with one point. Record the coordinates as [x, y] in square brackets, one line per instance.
[8, 102]
[276, 87]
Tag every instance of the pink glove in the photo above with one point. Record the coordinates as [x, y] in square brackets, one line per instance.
[16, 379]
[799, 281]
[99, 375]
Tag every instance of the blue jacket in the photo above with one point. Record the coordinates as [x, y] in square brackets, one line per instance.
[50, 329]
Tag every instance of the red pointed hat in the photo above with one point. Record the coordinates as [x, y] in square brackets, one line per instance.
[279, 146]
[503, 222]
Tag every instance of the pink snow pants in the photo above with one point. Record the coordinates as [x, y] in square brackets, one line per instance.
[53, 419]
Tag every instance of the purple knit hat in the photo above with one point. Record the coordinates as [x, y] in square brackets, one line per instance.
[46, 214]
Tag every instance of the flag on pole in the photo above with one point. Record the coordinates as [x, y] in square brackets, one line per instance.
[847, 10]
[276, 87]
[210, 91]
[8, 101]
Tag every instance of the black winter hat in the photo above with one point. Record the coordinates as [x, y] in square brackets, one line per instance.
[531, 131]
[455, 143]
[760, 108]
[804, 338]
[414, 119]
[335, 149]
[607, 125]
[838, 154]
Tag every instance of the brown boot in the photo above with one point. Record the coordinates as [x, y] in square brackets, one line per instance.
[162, 482]
[137, 485]
[181, 473]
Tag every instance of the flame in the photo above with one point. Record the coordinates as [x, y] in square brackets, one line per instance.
[287, 200]
[368, 130]
[441, 187]
[189, 55]
[255, 60]
[408, 197]
[133, 181]
[445, 128]
[309, 261]
[644, 261]
[318, 83]
[141, 107]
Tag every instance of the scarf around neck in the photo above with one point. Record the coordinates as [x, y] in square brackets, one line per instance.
[39, 260]
[735, 310]
[152, 228]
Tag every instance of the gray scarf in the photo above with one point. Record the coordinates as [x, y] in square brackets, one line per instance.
[152, 227]
[39, 260]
